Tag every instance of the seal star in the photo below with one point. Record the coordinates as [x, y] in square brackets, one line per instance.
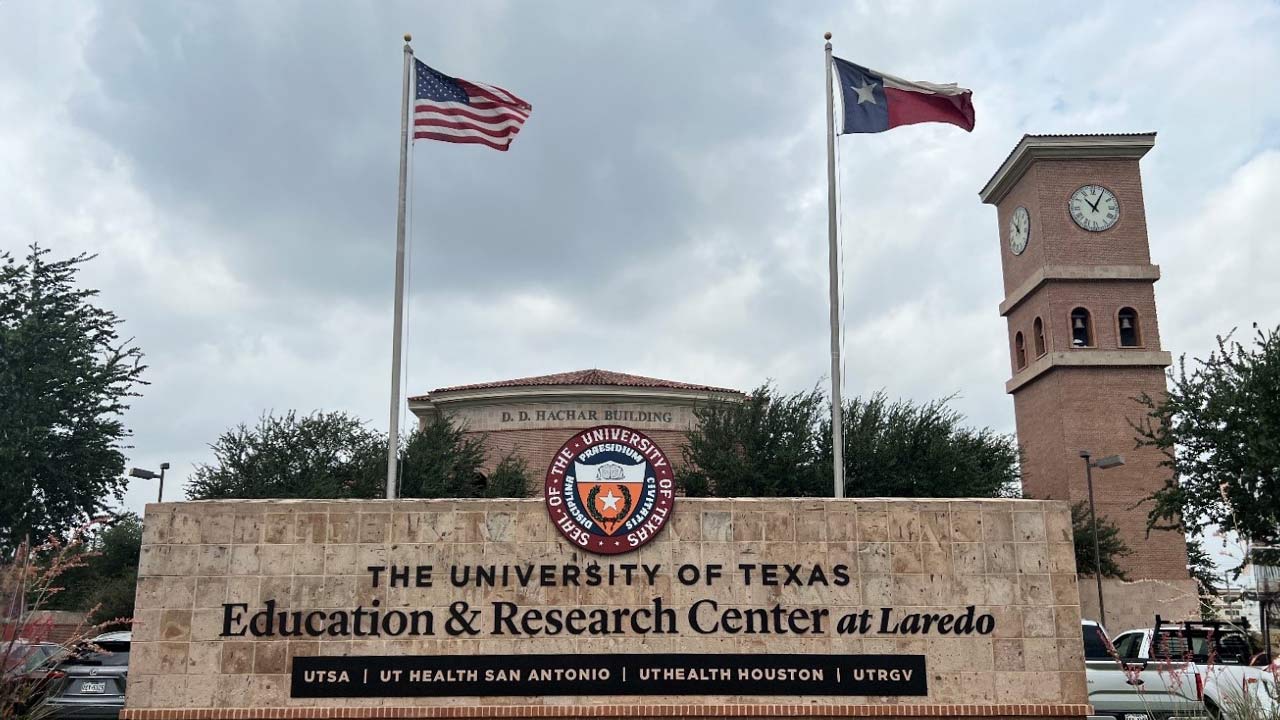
[610, 501]
[866, 93]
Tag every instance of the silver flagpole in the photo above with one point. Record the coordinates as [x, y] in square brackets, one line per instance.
[837, 409]
[397, 335]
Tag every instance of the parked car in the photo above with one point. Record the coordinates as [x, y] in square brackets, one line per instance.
[21, 656]
[1230, 686]
[1130, 688]
[26, 669]
[93, 679]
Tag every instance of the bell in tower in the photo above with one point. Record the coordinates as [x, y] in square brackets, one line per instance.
[1128, 318]
[1080, 334]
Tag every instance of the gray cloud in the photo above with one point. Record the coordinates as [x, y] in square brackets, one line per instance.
[663, 211]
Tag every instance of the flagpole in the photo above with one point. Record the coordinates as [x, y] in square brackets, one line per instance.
[837, 408]
[397, 335]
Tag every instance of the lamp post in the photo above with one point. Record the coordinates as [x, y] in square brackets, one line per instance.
[1109, 461]
[148, 475]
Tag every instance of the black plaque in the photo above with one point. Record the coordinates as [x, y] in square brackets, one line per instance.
[681, 674]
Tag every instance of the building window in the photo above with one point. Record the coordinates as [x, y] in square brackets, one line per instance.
[1081, 328]
[1038, 328]
[1019, 351]
[1130, 333]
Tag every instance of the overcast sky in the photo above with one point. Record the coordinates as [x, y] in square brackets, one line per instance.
[663, 212]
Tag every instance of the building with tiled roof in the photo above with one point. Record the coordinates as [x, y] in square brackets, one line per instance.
[532, 417]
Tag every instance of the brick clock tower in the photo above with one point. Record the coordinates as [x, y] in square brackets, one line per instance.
[1079, 298]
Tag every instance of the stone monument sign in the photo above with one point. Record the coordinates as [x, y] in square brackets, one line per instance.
[485, 608]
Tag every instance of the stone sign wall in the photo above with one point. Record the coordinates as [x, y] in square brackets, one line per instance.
[480, 608]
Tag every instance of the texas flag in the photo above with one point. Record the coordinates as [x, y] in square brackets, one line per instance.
[875, 102]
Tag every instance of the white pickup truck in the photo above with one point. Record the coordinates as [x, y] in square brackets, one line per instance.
[1134, 689]
[1177, 671]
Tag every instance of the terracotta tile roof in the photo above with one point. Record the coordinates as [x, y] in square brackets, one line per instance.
[592, 376]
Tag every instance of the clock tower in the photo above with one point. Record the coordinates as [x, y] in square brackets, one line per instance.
[1084, 342]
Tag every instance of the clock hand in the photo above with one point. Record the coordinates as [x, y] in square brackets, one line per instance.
[1094, 205]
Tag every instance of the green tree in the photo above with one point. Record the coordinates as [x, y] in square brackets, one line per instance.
[321, 455]
[65, 380]
[104, 577]
[1219, 429]
[509, 479]
[1110, 546]
[443, 460]
[902, 449]
[1205, 572]
[771, 445]
[336, 455]
[766, 445]
[1202, 568]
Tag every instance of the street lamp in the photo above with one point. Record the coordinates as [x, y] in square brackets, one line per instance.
[1109, 461]
[148, 475]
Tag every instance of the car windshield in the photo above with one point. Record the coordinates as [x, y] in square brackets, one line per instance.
[111, 653]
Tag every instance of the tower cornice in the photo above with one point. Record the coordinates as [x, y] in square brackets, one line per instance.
[1087, 358]
[1062, 147]
[1077, 272]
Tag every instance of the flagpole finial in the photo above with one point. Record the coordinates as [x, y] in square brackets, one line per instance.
[409, 38]
[826, 36]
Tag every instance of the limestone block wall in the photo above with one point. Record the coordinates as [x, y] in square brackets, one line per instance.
[1010, 559]
[1133, 604]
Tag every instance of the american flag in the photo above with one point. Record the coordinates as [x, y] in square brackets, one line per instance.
[454, 110]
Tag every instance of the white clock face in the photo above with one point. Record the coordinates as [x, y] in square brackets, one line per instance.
[1019, 230]
[1094, 208]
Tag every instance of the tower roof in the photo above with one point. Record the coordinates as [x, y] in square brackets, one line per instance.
[591, 376]
[1058, 147]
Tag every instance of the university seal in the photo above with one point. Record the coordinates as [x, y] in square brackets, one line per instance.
[610, 489]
